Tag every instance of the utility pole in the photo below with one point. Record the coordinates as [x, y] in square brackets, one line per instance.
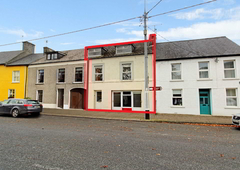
[147, 116]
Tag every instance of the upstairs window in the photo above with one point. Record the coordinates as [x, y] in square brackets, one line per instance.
[40, 76]
[127, 71]
[16, 76]
[94, 52]
[176, 72]
[203, 70]
[98, 73]
[124, 49]
[231, 97]
[229, 69]
[61, 75]
[177, 98]
[78, 74]
[54, 56]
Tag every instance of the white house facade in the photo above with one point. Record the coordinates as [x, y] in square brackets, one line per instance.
[199, 77]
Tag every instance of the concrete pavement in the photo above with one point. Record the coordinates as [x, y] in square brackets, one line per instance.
[159, 117]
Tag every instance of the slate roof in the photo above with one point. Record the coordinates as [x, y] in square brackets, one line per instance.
[27, 60]
[71, 55]
[7, 56]
[198, 48]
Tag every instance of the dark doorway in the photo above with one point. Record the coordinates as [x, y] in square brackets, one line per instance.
[76, 98]
[60, 97]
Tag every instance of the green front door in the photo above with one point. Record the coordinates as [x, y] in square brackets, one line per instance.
[205, 107]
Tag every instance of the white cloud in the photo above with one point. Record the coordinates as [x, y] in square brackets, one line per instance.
[229, 28]
[202, 13]
[22, 33]
[121, 30]
[67, 43]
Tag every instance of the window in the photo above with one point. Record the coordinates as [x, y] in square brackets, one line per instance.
[61, 75]
[94, 52]
[177, 98]
[16, 76]
[54, 56]
[229, 69]
[126, 71]
[11, 93]
[231, 97]
[98, 71]
[124, 49]
[203, 70]
[40, 76]
[78, 74]
[99, 96]
[116, 99]
[40, 95]
[176, 72]
[137, 99]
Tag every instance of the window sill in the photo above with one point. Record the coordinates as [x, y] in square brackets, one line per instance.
[176, 80]
[230, 79]
[39, 84]
[204, 79]
[126, 80]
[177, 107]
[16, 82]
[231, 107]
[77, 82]
[98, 81]
[60, 82]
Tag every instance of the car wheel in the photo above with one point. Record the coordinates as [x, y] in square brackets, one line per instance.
[15, 113]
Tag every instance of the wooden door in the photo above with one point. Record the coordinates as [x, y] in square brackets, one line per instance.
[76, 99]
[60, 98]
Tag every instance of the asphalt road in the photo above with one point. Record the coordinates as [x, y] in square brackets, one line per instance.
[65, 143]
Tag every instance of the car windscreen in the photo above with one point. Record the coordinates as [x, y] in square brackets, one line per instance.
[32, 102]
[4, 102]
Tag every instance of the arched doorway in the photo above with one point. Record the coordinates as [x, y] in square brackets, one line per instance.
[77, 98]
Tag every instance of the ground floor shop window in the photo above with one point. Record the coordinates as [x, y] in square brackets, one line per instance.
[126, 99]
[40, 95]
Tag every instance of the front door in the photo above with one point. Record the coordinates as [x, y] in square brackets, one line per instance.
[60, 97]
[98, 99]
[205, 106]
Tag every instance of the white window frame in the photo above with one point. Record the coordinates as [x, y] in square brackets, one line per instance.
[37, 96]
[176, 71]
[82, 74]
[181, 97]
[122, 47]
[14, 77]
[9, 92]
[232, 97]
[203, 70]
[131, 67]
[229, 69]
[98, 52]
[94, 73]
[38, 76]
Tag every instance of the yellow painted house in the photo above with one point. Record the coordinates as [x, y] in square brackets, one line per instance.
[14, 71]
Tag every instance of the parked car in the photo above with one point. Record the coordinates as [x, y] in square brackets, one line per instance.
[15, 107]
[236, 119]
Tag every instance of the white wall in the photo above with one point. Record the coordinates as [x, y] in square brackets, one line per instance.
[190, 85]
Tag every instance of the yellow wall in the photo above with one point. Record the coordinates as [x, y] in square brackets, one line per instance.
[6, 81]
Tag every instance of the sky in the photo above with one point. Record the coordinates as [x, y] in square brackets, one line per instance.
[30, 19]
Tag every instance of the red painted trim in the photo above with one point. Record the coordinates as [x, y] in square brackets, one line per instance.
[124, 111]
[152, 38]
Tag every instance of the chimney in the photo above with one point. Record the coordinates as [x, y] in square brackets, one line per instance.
[28, 47]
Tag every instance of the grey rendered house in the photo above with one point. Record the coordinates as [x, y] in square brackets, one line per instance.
[57, 79]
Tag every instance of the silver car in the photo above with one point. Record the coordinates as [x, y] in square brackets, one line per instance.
[236, 119]
[15, 107]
